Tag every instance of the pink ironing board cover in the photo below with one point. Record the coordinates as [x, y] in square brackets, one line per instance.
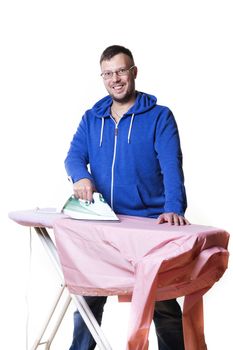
[140, 261]
[38, 217]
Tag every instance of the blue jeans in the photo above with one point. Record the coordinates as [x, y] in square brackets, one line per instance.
[167, 319]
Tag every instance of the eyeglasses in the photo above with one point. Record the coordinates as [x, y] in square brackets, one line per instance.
[108, 74]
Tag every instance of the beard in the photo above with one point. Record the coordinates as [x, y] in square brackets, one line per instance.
[128, 96]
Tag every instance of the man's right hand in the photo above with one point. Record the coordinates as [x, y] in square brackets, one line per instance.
[84, 189]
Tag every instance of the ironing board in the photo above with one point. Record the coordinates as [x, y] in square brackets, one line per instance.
[172, 261]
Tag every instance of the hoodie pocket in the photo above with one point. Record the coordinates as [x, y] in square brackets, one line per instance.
[127, 197]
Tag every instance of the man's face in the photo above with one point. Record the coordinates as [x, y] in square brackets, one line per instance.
[120, 87]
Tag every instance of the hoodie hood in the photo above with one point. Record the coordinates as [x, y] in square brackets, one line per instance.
[143, 103]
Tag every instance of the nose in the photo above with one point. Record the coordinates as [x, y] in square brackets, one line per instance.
[115, 76]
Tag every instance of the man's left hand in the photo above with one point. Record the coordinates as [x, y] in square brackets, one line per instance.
[172, 219]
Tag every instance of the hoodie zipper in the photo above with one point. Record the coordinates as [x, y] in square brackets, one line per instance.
[114, 159]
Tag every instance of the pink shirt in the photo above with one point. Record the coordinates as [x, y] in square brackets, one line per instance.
[143, 262]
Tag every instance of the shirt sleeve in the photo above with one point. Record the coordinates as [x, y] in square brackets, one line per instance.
[77, 159]
[167, 146]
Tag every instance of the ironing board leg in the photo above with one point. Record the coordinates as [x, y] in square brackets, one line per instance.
[79, 301]
[58, 322]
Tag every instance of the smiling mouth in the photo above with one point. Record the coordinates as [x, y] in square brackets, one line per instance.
[118, 87]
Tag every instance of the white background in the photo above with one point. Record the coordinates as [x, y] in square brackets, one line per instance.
[50, 75]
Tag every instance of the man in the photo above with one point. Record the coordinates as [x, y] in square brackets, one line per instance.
[132, 147]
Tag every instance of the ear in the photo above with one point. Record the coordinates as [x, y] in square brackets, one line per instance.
[135, 72]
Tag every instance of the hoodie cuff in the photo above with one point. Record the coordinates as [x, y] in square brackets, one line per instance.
[76, 177]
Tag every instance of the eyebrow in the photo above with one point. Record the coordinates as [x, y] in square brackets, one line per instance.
[110, 70]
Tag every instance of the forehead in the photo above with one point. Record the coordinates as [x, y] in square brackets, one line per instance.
[117, 61]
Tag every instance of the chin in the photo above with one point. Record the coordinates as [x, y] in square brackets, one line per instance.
[121, 98]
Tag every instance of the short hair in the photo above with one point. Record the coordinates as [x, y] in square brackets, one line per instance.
[114, 50]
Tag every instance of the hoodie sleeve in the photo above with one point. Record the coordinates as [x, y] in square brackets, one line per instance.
[77, 158]
[167, 146]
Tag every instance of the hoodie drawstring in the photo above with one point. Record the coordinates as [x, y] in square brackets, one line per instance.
[130, 127]
[102, 131]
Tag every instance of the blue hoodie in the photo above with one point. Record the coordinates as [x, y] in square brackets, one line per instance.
[137, 163]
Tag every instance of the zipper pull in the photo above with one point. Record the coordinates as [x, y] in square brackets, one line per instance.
[116, 131]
